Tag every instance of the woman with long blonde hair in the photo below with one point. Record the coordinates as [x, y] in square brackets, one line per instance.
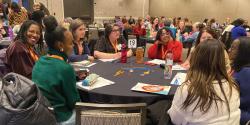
[209, 96]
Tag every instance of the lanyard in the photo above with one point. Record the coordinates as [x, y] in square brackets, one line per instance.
[163, 54]
[114, 46]
[56, 57]
[33, 54]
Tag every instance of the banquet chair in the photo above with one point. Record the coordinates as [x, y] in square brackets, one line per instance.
[110, 114]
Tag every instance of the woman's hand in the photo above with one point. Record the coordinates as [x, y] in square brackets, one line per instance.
[186, 65]
[91, 58]
[117, 55]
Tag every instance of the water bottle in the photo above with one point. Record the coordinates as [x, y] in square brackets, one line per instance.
[168, 65]
[10, 33]
[123, 54]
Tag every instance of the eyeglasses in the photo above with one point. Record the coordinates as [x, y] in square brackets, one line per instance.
[116, 30]
[164, 34]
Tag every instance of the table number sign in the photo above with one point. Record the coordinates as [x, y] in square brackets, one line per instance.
[132, 43]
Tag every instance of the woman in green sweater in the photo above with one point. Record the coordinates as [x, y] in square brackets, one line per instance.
[54, 76]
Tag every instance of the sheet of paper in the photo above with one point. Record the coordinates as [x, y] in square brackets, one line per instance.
[84, 63]
[157, 61]
[179, 78]
[90, 65]
[101, 82]
[178, 67]
[149, 88]
[107, 60]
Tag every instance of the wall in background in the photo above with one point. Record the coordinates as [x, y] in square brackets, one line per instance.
[55, 8]
[197, 10]
[79, 9]
[106, 9]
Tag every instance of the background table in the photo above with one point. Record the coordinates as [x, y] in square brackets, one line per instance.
[120, 91]
[4, 43]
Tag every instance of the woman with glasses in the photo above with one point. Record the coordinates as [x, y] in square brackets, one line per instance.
[109, 46]
[81, 50]
[164, 43]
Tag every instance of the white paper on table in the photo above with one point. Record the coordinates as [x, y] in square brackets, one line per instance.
[107, 60]
[179, 78]
[101, 82]
[178, 67]
[90, 65]
[157, 61]
[84, 63]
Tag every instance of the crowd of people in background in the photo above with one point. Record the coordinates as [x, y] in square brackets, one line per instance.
[218, 64]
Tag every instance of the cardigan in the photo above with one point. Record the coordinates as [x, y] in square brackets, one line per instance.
[57, 81]
[76, 57]
[19, 60]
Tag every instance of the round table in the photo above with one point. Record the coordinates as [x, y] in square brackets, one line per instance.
[120, 91]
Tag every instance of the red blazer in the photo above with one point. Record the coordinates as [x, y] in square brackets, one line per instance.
[159, 53]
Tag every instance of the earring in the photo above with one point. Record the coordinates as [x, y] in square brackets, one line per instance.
[61, 49]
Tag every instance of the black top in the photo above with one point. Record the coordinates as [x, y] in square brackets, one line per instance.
[104, 45]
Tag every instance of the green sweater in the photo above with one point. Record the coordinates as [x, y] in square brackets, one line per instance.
[57, 81]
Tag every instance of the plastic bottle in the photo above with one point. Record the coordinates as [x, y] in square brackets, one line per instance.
[168, 65]
[148, 33]
[123, 54]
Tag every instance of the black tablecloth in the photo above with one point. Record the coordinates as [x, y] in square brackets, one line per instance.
[120, 91]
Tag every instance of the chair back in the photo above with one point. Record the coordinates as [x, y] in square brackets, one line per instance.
[93, 33]
[110, 114]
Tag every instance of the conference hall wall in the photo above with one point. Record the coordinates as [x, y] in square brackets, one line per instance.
[197, 10]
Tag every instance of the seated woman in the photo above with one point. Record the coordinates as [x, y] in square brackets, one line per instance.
[81, 50]
[239, 53]
[139, 29]
[54, 76]
[205, 34]
[20, 55]
[155, 27]
[165, 42]
[17, 14]
[109, 46]
[209, 95]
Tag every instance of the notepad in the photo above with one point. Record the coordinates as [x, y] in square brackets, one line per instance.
[150, 88]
